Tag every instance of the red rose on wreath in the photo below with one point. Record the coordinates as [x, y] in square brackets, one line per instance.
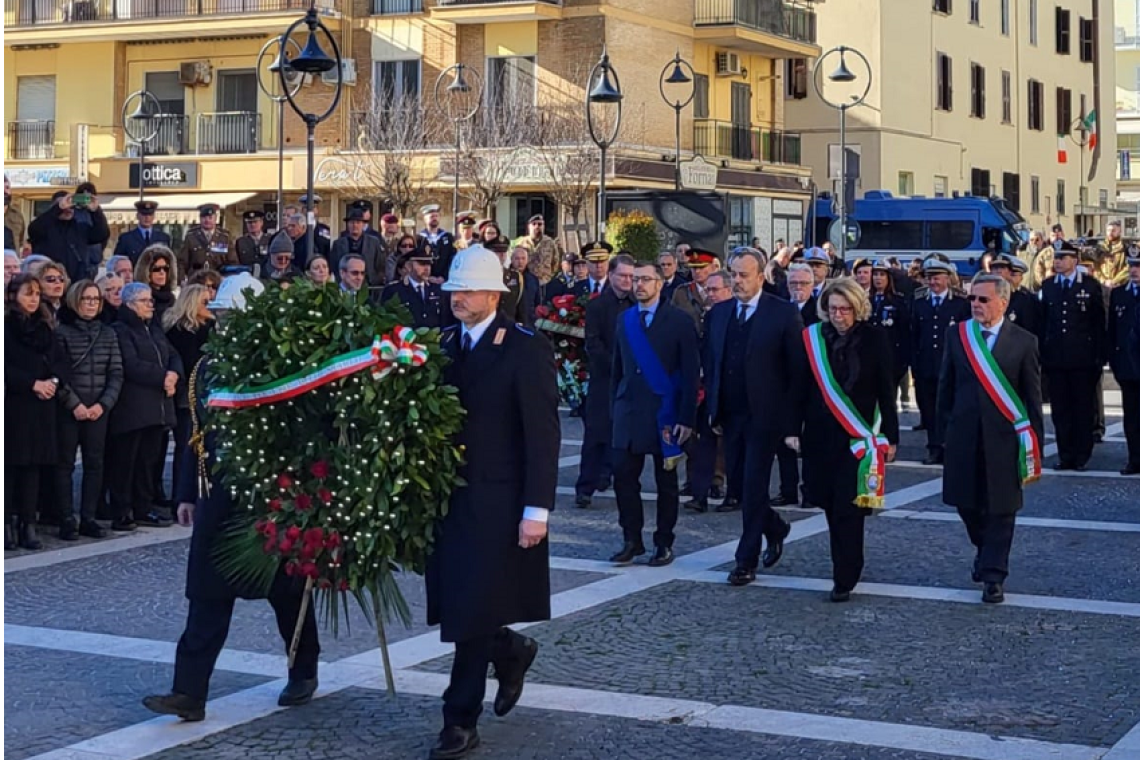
[293, 532]
[284, 480]
[309, 570]
[319, 469]
[274, 505]
[325, 495]
[303, 502]
[285, 546]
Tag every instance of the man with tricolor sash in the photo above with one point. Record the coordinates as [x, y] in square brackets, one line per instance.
[989, 405]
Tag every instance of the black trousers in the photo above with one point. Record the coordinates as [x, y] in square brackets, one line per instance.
[992, 536]
[701, 450]
[904, 387]
[789, 466]
[208, 625]
[596, 465]
[1074, 412]
[21, 492]
[1098, 418]
[130, 471]
[926, 396]
[845, 528]
[1130, 396]
[182, 434]
[158, 469]
[750, 450]
[631, 512]
[90, 438]
[463, 699]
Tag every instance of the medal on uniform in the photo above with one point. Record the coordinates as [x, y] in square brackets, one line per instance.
[1013, 316]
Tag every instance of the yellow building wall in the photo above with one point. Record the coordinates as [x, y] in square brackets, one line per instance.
[520, 38]
[761, 77]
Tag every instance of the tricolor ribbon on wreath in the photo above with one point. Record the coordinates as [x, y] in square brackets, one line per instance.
[1007, 401]
[385, 354]
[867, 446]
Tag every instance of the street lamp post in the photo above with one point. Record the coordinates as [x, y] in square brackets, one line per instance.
[143, 119]
[1079, 134]
[603, 92]
[311, 60]
[277, 95]
[459, 101]
[677, 77]
[842, 75]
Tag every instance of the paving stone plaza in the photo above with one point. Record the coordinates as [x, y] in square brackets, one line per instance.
[641, 662]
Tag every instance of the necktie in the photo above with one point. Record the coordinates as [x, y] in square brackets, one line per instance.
[646, 318]
[986, 336]
[465, 345]
[597, 287]
[742, 315]
[1135, 291]
[1068, 283]
[937, 301]
[420, 290]
[146, 237]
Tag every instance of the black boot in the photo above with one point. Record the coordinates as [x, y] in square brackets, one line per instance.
[68, 530]
[28, 538]
[187, 708]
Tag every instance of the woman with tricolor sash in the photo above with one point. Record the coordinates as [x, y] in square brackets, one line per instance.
[850, 424]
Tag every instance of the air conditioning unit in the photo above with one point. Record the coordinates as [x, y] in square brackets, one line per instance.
[194, 73]
[348, 73]
[727, 65]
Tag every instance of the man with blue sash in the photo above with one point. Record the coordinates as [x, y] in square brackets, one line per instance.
[656, 371]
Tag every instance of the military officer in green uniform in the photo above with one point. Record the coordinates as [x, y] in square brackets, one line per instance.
[208, 246]
[254, 244]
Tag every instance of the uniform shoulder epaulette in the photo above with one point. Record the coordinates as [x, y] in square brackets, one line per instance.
[523, 329]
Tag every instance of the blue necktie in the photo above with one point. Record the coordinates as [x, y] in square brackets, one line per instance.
[465, 345]
[646, 318]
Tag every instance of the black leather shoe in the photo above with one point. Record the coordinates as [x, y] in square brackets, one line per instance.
[730, 504]
[187, 708]
[1081, 467]
[299, 691]
[1131, 469]
[933, 458]
[783, 501]
[697, 505]
[28, 539]
[687, 490]
[124, 526]
[839, 595]
[1098, 438]
[716, 492]
[993, 593]
[775, 549]
[91, 529]
[68, 531]
[919, 427]
[606, 485]
[1062, 466]
[454, 742]
[628, 551]
[511, 679]
[582, 501]
[153, 519]
[741, 576]
[662, 556]
[976, 573]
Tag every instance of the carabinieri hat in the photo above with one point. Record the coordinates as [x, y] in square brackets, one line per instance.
[1064, 248]
[146, 207]
[935, 265]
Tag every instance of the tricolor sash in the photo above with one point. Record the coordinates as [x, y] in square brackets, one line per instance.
[867, 446]
[662, 385]
[1007, 401]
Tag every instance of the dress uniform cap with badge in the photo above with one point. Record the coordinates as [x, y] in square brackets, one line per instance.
[816, 254]
[208, 209]
[252, 214]
[699, 258]
[146, 207]
[429, 208]
[598, 250]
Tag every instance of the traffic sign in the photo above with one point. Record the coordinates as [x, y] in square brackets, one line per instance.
[854, 233]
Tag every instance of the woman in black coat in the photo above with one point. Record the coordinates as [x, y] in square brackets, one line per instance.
[860, 358]
[891, 312]
[34, 367]
[158, 268]
[151, 369]
[111, 287]
[89, 395]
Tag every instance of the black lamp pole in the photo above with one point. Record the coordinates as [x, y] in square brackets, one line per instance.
[677, 77]
[603, 92]
[143, 116]
[311, 60]
[459, 102]
[277, 95]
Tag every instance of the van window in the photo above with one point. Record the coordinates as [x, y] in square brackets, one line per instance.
[950, 236]
[893, 236]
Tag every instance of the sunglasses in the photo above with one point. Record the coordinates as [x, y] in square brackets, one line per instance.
[160, 269]
[979, 299]
[407, 247]
[54, 279]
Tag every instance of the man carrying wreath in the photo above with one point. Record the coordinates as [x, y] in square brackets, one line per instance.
[989, 405]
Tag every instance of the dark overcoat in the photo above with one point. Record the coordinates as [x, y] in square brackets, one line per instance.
[1123, 334]
[673, 337]
[31, 353]
[1024, 309]
[862, 366]
[478, 577]
[147, 357]
[1072, 328]
[981, 444]
[892, 314]
[433, 310]
[930, 329]
[131, 244]
[601, 325]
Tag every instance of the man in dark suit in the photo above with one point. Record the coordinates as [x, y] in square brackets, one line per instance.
[530, 289]
[132, 244]
[490, 566]
[982, 476]
[596, 468]
[1124, 355]
[424, 299]
[656, 371]
[367, 247]
[1073, 351]
[934, 317]
[755, 364]
[800, 283]
[674, 278]
[597, 256]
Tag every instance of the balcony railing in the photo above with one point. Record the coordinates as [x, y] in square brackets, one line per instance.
[229, 132]
[36, 12]
[724, 139]
[453, 3]
[396, 7]
[31, 140]
[793, 19]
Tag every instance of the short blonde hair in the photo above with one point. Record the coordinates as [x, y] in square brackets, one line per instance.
[849, 289]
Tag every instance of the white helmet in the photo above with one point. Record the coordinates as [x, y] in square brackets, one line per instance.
[231, 293]
[475, 268]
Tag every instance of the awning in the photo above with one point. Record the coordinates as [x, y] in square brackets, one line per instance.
[175, 208]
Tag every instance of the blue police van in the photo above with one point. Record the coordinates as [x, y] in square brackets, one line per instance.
[962, 227]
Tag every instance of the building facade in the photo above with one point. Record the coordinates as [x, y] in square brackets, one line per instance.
[972, 96]
[70, 68]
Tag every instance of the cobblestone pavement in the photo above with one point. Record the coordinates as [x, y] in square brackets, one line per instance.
[642, 662]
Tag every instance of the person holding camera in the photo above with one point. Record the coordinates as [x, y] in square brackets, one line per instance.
[57, 233]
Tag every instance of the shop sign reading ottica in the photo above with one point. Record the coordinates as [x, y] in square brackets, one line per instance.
[164, 174]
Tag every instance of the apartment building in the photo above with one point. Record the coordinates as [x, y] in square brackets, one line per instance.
[974, 96]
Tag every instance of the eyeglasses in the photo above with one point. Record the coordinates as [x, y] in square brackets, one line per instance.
[90, 299]
[640, 278]
[146, 301]
[980, 299]
[54, 279]
[840, 309]
[799, 284]
[159, 269]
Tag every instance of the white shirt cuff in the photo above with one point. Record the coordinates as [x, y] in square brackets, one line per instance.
[538, 514]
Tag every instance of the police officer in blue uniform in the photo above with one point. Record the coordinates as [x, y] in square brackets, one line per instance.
[933, 317]
[1073, 351]
[1124, 354]
[1024, 308]
[439, 241]
[132, 244]
[891, 311]
[424, 299]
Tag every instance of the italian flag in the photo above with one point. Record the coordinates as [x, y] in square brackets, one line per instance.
[1062, 150]
[1090, 126]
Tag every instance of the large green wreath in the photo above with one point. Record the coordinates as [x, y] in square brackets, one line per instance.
[343, 483]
